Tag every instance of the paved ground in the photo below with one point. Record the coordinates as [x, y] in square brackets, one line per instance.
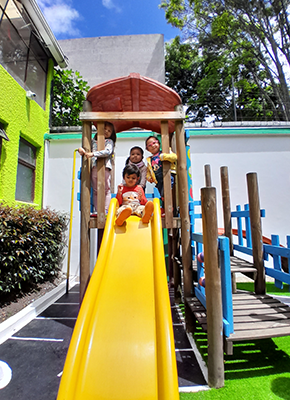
[36, 354]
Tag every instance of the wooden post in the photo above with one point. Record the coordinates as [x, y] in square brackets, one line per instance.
[227, 216]
[101, 177]
[184, 215]
[166, 165]
[207, 175]
[176, 267]
[213, 289]
[256, 230]
[85, 206]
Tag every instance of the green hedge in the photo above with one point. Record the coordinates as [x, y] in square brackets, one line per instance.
[32, 245]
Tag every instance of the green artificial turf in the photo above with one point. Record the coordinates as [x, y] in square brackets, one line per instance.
[257, 370]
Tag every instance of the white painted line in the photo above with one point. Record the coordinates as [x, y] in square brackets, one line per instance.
[65, 304]
[5, 374]
[57, 318]
[180, 324]
[36, 339]
[19, 320]
[199, 359]
[193, 389]
[180, 350]
[60, 374]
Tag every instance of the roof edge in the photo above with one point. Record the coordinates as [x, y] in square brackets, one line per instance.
[45, 32]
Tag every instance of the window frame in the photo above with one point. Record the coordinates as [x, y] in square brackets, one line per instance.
[28, 165]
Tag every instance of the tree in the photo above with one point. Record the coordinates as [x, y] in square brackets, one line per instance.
[68, 94]
[253, 38]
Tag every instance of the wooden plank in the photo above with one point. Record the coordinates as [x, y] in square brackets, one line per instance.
[133, 116]
[262, 325]
[261, 311]
[255, 302]
[252, 308]
[269, 317]
[259, 334]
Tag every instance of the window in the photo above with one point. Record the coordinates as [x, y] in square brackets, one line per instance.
[25, 172]
[3, 135]
[21, 51]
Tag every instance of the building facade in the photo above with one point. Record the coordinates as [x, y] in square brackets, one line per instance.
[28, 54]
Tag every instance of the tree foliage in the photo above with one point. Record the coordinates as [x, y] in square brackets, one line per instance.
[68, 94]
[243, 48]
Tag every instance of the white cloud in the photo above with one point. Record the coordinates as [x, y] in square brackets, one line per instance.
[110, 5]
[60, 16]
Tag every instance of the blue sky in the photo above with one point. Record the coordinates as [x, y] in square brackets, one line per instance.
[71, 19]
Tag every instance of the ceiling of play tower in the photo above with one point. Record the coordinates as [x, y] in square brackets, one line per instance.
[134, 93]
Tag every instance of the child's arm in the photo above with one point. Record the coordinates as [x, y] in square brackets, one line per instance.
[171, 157]
[119, 196]
[82, 152]
[150, 174]
[143, 171]
[142, 197]
[109, 148]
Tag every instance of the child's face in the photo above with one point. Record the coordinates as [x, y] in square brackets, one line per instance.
[153, 146]
[135, 156]
[108, 131]
[131, 180]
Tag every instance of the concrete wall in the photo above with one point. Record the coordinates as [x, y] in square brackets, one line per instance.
[266, 154]
[100, 59]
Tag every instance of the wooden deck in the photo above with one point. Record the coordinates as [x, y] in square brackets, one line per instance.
[255, 317]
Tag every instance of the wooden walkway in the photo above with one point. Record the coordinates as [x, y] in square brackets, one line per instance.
[255, 316]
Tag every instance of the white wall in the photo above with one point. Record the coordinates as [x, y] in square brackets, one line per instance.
[267, 155]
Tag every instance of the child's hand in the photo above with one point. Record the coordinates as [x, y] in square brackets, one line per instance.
[81, 151]
[89, 154]
[120, 188]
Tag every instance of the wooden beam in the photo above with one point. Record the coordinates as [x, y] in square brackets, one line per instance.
[133, 116]
[101, 177]
[213, 289]
[256, 230]
[85, 207]
[207, 175]
[185, 221]
[168, 206]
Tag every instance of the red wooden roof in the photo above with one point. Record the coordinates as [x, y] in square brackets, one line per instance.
[134, 93]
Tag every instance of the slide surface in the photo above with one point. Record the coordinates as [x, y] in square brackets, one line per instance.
[122, 346]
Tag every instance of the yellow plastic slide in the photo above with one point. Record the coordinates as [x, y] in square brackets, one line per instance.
[122, 346]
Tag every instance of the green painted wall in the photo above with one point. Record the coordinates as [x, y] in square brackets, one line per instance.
[21, 117]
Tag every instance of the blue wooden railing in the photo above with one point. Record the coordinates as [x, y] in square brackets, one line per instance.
[240, 214]
[226, 280]
[244, 246]
[277, 251]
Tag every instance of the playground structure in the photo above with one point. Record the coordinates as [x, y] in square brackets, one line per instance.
[222, 309]
[125, 325]
[241, 315]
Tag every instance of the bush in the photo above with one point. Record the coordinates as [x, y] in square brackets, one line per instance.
[32, 245]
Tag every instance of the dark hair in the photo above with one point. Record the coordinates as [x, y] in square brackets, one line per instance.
[131, 169]
[113, 135]
[149, 137]
[137, 148]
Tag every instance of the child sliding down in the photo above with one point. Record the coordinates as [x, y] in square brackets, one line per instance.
[131, 197]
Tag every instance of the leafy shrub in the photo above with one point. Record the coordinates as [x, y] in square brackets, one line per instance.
[32, 245]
